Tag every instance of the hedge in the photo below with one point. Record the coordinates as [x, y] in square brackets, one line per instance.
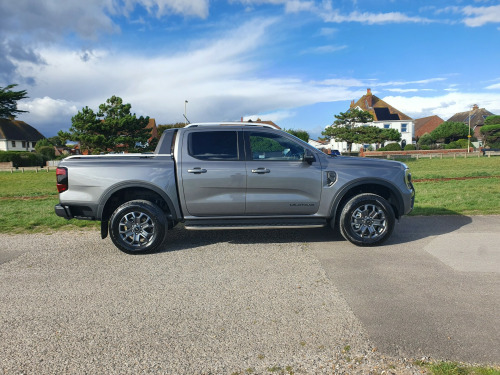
[23, 159]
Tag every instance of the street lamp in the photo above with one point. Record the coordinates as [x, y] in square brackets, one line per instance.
[185, 113]
[469, 136]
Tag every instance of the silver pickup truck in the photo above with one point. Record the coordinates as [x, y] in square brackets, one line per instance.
[232, 175]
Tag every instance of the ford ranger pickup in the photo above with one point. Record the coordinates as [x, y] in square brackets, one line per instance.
[232, 175]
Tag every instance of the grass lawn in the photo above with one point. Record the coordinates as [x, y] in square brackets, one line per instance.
[27, 199]
[27, 203]
[456, 197]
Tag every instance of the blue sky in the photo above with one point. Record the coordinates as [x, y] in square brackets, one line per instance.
[297, 63]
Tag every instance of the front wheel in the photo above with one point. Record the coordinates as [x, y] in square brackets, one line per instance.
[138, 226]
[367, 220]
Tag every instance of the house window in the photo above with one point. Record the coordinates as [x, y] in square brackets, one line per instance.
[387, 126]
[13, 143]
[403, 128]
[24, 144]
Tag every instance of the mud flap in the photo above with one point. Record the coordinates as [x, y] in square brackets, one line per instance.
[104, 229]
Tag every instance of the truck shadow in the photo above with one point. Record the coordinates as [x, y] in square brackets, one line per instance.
[409, 228]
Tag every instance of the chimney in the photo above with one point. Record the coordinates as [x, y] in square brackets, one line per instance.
[369, 98]
[475, 107]
[352, 104]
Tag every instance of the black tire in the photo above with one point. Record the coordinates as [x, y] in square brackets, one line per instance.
[367, 220]
[138, 227]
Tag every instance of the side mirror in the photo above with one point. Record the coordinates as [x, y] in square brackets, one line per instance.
[308, 157]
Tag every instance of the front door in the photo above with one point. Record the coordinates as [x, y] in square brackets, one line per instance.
[279, 182]
[213, 173]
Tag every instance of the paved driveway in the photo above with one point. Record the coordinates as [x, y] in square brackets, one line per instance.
[235, 301]
[432, 290]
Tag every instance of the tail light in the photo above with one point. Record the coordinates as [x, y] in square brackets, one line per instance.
[62, 179]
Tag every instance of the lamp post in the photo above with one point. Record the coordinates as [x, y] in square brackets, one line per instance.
[468, 137]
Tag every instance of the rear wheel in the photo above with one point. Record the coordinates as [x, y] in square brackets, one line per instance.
[367, 220]
[138, 226]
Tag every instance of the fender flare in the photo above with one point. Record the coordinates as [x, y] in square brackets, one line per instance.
[367, 181]
[135, 184]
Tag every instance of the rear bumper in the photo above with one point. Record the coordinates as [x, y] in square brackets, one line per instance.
[87, 212]
[63, 211]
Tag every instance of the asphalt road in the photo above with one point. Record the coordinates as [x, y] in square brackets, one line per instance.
[235, 301]
[432, 290]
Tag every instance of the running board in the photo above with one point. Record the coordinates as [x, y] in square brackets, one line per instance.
[217, 224]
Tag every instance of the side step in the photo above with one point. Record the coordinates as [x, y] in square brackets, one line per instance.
[283, 223]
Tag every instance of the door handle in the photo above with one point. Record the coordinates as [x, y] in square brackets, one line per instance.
[197, 170]
[261, 170]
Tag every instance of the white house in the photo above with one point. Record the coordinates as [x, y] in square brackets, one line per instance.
[18, 135]
[385, 116]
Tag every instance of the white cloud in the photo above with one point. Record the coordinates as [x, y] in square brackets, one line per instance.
[334, 16]
[494, 86]
[275, 117]
[481, 15]
[221, 81]
[323, 49]
[444, 106]
[375, 83]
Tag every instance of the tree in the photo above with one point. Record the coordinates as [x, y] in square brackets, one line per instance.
[9, 99]
[425, 140]
[112, 128]
[346, 127]
[491, 131]
[162, 128]
[301, 134]
[450, 131]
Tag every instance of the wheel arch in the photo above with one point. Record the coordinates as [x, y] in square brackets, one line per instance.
[375, 186]
[133, 190]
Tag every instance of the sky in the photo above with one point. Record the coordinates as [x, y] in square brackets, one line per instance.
[297, 62]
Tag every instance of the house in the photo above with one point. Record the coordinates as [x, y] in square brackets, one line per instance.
[259, 121]
[426, 125]
[151, 126]
[385, 116]
[17, 135]
[475, 116]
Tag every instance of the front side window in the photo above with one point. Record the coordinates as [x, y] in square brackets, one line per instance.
[270, 146]
[216, 145]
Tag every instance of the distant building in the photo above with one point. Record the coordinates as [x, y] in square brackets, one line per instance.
[259, 121]
[151, 126]
[477, 117]
[426, 125]
[385, 116]
[18, 136]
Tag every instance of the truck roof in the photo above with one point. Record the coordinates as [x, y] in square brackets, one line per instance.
[231, 124]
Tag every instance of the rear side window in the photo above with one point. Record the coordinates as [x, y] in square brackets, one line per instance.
[217, 145]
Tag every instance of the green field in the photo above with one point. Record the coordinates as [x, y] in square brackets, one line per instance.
[27, 199]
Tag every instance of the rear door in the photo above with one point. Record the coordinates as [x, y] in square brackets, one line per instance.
[279, 182]
[213, 172]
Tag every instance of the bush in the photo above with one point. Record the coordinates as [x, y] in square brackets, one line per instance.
[425, 147]
[23, 159]
[48, 152]
[393, 147]
[410, 147]
[461, 143]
